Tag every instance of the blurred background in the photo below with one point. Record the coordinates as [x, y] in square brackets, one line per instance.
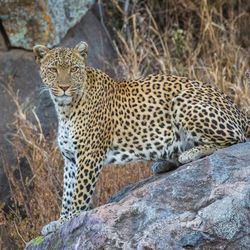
[204, 39]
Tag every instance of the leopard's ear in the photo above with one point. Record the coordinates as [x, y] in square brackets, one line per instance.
[82, 48]
[40, 51]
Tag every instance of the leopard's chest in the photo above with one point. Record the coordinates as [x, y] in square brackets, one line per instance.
[65, 140]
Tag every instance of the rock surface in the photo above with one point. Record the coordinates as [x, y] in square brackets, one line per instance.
[201, 205]
[40, 22]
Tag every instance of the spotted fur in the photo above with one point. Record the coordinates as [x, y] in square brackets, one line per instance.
[163, 118]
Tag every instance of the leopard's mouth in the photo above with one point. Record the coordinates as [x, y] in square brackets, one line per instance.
[64, 96]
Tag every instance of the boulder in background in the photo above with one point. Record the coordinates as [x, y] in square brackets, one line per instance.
[27, 23]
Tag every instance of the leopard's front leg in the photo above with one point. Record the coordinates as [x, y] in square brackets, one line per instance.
[68, 189]
[90, 146]
[70, 169]
[90, 164]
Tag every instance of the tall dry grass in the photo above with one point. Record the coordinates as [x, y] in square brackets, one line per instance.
[207, 40]
[34, 180]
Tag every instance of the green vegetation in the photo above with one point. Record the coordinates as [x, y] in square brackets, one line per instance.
[38, 240]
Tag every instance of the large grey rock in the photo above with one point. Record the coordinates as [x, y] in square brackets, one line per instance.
[40, 22]
[201, 205]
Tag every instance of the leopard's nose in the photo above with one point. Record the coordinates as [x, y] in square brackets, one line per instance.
[64, 88]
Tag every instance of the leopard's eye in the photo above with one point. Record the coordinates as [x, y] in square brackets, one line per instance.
[74, 69]
[52, 69]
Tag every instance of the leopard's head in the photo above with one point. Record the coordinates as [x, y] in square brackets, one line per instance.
[62, 70]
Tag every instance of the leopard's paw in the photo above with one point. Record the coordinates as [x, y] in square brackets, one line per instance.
[186, 157]
[51, 227]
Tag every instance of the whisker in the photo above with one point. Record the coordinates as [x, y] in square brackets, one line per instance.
[75, 88]
[55, 93]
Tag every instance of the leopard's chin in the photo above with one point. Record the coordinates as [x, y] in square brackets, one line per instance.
[63, 100]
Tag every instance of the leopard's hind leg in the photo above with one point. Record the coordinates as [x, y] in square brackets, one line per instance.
[209, 119]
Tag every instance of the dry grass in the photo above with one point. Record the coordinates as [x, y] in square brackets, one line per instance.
[208, 40]
[35, 181]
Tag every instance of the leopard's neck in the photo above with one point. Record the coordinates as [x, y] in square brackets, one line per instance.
[64, 111]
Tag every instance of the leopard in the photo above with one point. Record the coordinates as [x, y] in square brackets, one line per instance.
[166, 119]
